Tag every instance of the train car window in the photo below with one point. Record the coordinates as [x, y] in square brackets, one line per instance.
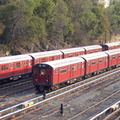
[100, 61]
[71, 55]
[37, 60]
[119, 56]
[25, 63]
[56, 70]
[93, 63]
[4, 67]
[77, 54]
[91, 52]
[43, 60]
[113, 57]
[74, 67]
[11, 65]
[63, 70]
[18, 65]
[42, 71]
[52, 58]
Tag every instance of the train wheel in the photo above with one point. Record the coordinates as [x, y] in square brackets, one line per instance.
[39, 88]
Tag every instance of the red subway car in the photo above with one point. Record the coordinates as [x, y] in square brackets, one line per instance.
[113, 58]
[72, 52]
[92, 49]
[95, 62]
[13, 67]
[55, 72]
[40, 57]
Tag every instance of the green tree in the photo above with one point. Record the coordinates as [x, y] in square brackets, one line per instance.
[103, 30]
[62, 27]
[114, 17]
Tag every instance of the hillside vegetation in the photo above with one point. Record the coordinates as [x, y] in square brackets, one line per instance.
[37, 25]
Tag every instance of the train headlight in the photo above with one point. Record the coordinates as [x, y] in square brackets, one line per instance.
[42, 71]
[47, 81]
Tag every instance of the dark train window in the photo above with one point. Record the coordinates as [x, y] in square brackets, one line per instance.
[18, 64]
[100, 61]
[42, 71]
[43, 60]
[93, 63]
[11, 65]
[113, 57]
[74, 67]
[71, 55]
[52, 58]
[63, 70]
[119, 56]
[77, 54]
[4, 67]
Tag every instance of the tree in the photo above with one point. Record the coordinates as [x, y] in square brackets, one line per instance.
[115, 17]
[62, 26]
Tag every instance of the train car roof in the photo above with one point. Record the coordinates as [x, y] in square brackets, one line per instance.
[45, 54]
[64, 62]
[69, 50]
[112, 52]
[94, 55]
[14, 58]
[112, 44]
[90, 47]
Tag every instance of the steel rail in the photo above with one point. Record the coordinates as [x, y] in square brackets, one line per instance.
[58, 95]
[103, 112]
[78, 87]
[77, 115]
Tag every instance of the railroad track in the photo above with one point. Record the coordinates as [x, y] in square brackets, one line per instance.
[13, 88]
[19, 88]
[78, 90]
[114, 116]
[4, 85]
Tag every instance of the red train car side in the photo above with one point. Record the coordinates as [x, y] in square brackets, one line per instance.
[113, 58]
[14, 67]
[72, 52]
[95, 62]
[92, 49]
[40, 57]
